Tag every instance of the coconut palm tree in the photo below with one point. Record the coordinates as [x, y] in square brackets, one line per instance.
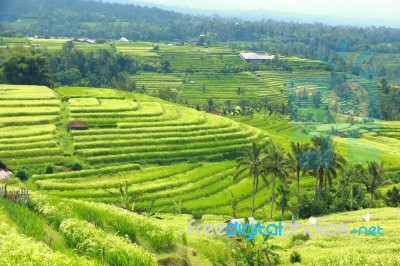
[325, 161]
[264, 105]
[283, 199]
[298, 157]
[252, 162]
[228, 109]
[352, 201]
[277, 165]
[375, 178]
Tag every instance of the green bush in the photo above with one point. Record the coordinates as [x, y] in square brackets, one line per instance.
[22, 174]
[295, 257]
[75, 166]
[310, 206]
[393, 197]
[49, 169]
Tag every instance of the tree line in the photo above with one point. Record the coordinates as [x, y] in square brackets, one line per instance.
[339, 186]
[92, 19]
[105, 67]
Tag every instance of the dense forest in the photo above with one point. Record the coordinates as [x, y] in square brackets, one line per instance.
[79, 18]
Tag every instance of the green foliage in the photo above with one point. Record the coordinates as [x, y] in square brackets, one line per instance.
[251, 162]
[22, 67]
[16, 247]
[393, 197]
[32, 225]
[310, 206]
[325, 161]
[374, 179]
[257, 251]
[177, 206]
[22, 174]
[106, 67]
[49, 169]
[125, 199]
[166, 94]
[295, 257]
[74, 166]
[93, 242]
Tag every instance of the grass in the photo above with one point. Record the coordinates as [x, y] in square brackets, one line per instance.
[179, 157]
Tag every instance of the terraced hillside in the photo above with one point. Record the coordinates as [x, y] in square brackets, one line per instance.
[122, 129]
[87, 233]
[28, 118]
[200, 188]
[196, 73]
[127, 132]
[58, 231]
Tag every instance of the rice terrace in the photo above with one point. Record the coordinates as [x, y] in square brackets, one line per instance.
[154, 137]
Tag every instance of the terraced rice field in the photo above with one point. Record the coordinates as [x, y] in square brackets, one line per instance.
[196, 58]
[128, 132]
[125, 130]
[27, 125]
[200, 188]
[156, 81]
[122, 130]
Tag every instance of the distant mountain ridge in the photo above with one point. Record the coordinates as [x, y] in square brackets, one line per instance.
[104, 20]
[254, 15]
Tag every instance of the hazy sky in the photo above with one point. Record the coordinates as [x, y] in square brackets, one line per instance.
[381, 9]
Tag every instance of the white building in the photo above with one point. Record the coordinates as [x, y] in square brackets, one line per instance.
[123, 39]
[256, 57]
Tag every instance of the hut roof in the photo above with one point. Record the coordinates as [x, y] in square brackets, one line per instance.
[5, 172]
[77, 125]
[213, 111]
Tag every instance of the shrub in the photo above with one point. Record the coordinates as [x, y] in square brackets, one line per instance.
[310, 206]
[393, 197]
[295, 257]
[22, 174]
[75, 166]
[49, 169]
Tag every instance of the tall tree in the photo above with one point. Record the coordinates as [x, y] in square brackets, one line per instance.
[283, 199]
[265, 105]
[375, 178]
[325, 162]
[25, 68]
[298, 156]
[252, 162]
[276, 164]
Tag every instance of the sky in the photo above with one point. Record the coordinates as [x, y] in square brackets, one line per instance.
[359, 9]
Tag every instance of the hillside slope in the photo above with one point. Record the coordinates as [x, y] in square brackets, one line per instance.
[169, 152]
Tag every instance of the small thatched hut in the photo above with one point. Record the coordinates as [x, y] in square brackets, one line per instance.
[5, 172]
[77, 125]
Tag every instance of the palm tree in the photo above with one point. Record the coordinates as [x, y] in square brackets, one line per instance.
[228, 110]
[352, 200]
[276, 164]
[298, 156]
[125, 198]
[251, 161]
[325, 161]
[310, 117]
[283, 199]
[375, 178]
[265, 105]
[203, 89]
[210, 104]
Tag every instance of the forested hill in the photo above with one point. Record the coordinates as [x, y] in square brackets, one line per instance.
[79, 18]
